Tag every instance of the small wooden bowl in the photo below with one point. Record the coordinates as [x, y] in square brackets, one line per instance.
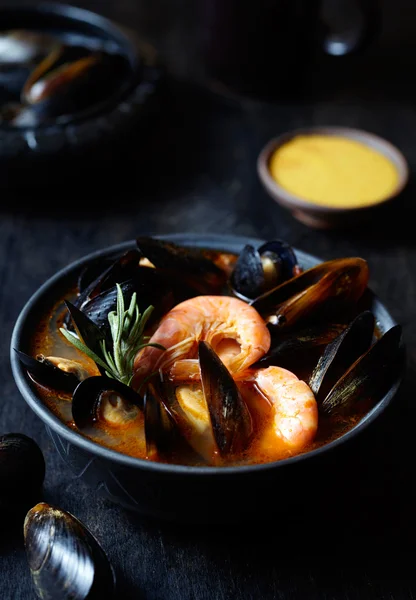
[328, 217]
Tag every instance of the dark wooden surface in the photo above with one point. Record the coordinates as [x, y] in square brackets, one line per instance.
[199, 175]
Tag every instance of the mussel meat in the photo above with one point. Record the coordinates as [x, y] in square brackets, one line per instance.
[54, 372]
[22, 470]
[259, 270]
[329, 289]
[106, 400]
[102, 398]
[66, 561]
[212, 415]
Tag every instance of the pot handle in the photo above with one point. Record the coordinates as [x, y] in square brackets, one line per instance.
[356, 39]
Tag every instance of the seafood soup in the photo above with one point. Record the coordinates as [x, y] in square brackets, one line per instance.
[201, 357]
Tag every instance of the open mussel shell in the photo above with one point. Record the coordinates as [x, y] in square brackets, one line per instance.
[66, 561]
[341, 353]
[369, 377]
[328, 290]
[49, 374]
[187, 406]
[103, 398]
[159, 425]
[231, 420]
[258, 270]
[22, 471]
[288, 347]
[100, 276]
[95, 272]
[153, 287]
[186, 264]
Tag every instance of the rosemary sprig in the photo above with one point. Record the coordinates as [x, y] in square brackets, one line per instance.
[126, 327]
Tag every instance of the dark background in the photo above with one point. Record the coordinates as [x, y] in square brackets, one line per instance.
[199, 175]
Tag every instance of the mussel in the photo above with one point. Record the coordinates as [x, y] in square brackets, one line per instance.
[22, 471]
[66, 561]
[338, 355]
[54, 372]
[88, 332]
[288, 349]
[187, 265]
[104, 400]
[65, 81]
[329, 290]
[160, 427]
[45, 76]
[156, 287]
[353, 370]
[258, 270]
[103, 275]
[212, 415]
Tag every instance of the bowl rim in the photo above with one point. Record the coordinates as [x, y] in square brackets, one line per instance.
[127, 40]
[292, 201]
[214, 241]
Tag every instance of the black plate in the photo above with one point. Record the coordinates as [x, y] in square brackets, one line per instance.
[164, 490]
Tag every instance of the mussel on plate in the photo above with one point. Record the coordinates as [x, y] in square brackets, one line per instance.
[66, 561]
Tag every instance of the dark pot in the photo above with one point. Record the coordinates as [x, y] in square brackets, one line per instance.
[73, 148]
[198, 494]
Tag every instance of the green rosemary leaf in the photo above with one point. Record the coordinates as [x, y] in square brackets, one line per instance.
[113, 321]
[126, 328]
[120, 313]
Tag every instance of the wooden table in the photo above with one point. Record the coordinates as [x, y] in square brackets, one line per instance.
[200, 176]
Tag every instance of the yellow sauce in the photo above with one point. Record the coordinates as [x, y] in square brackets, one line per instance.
[333, 171]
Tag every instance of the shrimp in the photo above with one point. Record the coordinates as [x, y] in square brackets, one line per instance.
[294, 419]
[235, 330]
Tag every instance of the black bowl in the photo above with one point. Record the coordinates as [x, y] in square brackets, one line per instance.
[71, 145]
[181, 493]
